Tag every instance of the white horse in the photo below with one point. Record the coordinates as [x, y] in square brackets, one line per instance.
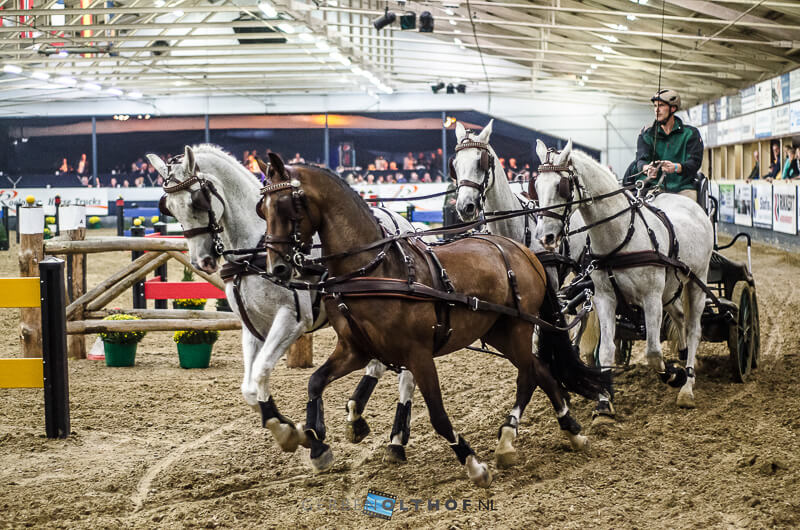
[649, 287]
[268, 307]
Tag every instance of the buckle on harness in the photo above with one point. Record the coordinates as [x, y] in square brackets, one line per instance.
[588, 303]
[473, 303]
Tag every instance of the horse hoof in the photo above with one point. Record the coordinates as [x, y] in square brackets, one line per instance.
[603, 419]
[506, 459]
[478, 473]
[578, 442]
[285, 435]
[395, 454]
[357, 430]
[324, 461]
[686, 400]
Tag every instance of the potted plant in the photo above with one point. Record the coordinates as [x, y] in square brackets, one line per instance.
[194, 347]
[94, 222]
[47, 234]
[189, 303]
[120, 346]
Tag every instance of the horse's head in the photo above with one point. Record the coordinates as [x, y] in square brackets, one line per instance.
[191, 197]
[290, 217]
[553, 186]
[472, 167]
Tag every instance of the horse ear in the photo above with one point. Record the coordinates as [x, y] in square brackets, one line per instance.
[541, 151]
[189, 164]
[159, 164]
[277, 170]
[564, 155]
[486, 132]
[263, 166]
[461, 132]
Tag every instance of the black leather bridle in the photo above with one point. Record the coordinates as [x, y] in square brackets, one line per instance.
[201, 200]
[289, 206]
[485, 164]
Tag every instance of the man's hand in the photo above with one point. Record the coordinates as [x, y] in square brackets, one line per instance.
[652, 171]
[667, 166]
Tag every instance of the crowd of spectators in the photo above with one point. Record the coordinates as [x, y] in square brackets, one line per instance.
[424, 167]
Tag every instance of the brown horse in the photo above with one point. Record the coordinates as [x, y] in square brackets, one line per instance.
[387, 307]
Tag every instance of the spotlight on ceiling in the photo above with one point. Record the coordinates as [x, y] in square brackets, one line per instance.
[451, 89]
[437, 87]
[426, 22]
[461, 89]
[384, 20]
[408, 21]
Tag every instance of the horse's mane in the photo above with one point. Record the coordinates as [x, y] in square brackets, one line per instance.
[587, 166]
[358, 199]
[216, 150]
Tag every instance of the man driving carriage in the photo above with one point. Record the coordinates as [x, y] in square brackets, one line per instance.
[671, 146]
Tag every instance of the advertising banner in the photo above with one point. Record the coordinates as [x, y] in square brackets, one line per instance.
[762, 204]
[764, 95]
[764, 123]
[95, 199]
[727, 207]
[748, 99]
[780, 120]
[743, 205]
[794, 85]
[794, 117]
[784, 208]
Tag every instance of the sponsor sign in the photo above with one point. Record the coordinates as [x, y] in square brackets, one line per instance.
[727, 208]
[784, 208]
[743, 202]
[762, 204]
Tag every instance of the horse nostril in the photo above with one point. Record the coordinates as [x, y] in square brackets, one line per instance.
[549, 239]
[469, 209]
[281, 271]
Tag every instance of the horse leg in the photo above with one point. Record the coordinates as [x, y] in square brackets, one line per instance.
[516, 344]
[605, 307]
[673, 375]
[424, 371]
[695, 303]
[250, 347]
[401, 429]
[357, 428]
[676, 332]
[284, 331]
[341, 362]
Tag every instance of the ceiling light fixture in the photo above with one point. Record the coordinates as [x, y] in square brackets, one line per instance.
[12, 69]
[384, 20]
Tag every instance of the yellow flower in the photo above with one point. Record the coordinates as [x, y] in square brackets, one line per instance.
[196, 336]
[122, 337]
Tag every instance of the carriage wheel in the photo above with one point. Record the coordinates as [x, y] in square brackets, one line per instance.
[622, 354]
[757, 323]
[742, 334]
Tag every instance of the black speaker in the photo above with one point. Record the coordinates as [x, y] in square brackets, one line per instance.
[426, 22]
[408, 21]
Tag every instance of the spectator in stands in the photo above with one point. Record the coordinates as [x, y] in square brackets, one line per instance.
[113, 183]
[370, 178]
[297, 159]
[126, 184]
[85, 182]
[64, 167]
[414, 177]
[775, 161]
[427, 177]
[409, 162]
[755, 174]
[503, 163]
[245, 157]
[82, 167]
[151, 174]
[789, 165]
[137, 166]
[139, 182]
[422, 161]
[512, 165]
[400, 178]
[434, 162]
[381, 164]
[393, 165]
[381, 179]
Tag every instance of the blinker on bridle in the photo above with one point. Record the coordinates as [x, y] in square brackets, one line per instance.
[200, 200]
[297, 249]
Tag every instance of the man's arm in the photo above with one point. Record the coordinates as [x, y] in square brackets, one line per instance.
[694, 155]
[644, 152]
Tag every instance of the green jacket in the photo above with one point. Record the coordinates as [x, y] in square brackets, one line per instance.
[682, 145]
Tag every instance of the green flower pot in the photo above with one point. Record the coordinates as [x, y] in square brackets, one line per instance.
[194, 355]
[188, 307]
[120, 354]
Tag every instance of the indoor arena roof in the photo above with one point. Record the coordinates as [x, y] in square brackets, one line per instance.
[581, 48]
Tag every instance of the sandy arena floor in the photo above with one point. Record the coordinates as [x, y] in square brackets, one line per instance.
[158, 446]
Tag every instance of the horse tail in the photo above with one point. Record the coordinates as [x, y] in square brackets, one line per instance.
[563, 358]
